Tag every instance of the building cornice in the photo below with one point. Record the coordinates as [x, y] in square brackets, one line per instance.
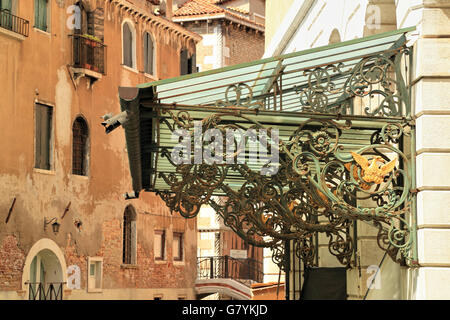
[223, 15]
[158, 21]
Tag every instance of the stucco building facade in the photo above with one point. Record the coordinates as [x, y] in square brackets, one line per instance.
[64, 215]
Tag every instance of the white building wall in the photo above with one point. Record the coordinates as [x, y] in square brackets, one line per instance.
[309, 24]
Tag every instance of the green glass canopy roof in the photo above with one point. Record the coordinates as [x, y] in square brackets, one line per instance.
[280, 92]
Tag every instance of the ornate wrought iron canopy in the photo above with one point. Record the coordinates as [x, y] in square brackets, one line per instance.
[336, 118]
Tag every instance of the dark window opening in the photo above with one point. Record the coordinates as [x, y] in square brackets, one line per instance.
[188, 65]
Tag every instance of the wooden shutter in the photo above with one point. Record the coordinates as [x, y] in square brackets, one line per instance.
[40, 14]
[37, 136]
[127, 46]
[43, 136]
[6, 5]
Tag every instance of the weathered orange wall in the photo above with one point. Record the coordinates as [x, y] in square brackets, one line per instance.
[36, 69]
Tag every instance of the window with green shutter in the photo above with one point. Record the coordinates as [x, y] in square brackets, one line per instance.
[5, 14]
[43, 133]
[40, 14]
[6, 5]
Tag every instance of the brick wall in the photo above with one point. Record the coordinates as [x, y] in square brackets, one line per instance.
[244, 44]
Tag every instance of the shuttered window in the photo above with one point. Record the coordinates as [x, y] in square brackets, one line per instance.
[6, 5]
[40, 14]
[5, 17]
[148, 53]
[43, 131]
[127, 46]
[79, 147]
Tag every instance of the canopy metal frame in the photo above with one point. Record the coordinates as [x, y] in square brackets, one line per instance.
[339, 117]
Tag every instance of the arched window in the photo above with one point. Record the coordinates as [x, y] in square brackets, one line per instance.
[80, 147]
[128, 45]
[129, 236]
[149, 54]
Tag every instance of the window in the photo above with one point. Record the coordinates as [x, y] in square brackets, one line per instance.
[177, 247]
[95, 274]
[128, 44]
[43, 133]
[80, 147]
[40, 14]
[129, 236]
[159, 245]
[6, 5]
[187, 64]
[6, 8]
[149, 54]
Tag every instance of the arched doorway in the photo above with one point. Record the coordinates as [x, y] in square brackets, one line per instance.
[44, 273]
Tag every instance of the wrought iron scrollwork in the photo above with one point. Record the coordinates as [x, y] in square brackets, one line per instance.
[318, 188]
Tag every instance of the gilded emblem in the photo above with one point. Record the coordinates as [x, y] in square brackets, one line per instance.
[371, 171]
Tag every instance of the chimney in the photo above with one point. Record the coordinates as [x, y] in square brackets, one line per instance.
[169, 9]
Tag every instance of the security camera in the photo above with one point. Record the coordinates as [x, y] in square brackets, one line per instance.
[107, 116]
[112, 122]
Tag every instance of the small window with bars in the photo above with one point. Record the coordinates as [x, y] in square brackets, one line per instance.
[80, 147]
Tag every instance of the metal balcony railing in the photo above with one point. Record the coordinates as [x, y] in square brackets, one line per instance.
[13, 23]
[45, 291]
[89, 53]
[241, 270]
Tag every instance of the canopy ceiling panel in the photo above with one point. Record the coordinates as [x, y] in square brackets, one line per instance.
[336, 119]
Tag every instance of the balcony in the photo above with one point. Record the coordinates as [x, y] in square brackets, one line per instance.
[45, 291]
[227, 275]
[13, 25]
[89, 57]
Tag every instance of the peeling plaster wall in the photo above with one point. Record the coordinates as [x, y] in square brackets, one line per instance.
[36, 69]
